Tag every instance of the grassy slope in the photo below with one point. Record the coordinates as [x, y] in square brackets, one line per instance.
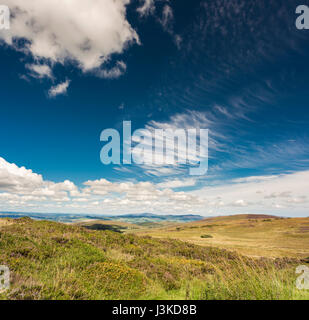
[50, 260]
[252, 235]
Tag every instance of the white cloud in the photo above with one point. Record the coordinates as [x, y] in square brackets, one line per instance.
[84, 32]
[23, 184]
[255, 179]
[239, 203]
[274, 195]
[21, 189]
[147, 7]
[287, 192]
[167, 17]
[173, 158]
[59, 89]
[40, 71]
[160, 171]
[118, 70]
[178, 41]
[87, 34]
[172, 184]
[17, 178]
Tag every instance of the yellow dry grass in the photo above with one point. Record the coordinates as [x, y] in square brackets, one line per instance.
[5, 222]
[251, 235]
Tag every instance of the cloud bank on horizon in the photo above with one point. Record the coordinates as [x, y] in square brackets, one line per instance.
[22, 189]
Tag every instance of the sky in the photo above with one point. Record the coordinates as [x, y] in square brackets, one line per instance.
[70, 69]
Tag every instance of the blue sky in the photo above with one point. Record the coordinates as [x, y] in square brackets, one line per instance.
[236, 68]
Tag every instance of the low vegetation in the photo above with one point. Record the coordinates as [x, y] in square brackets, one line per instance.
[49, 260]
[251, 235]
[206, 236]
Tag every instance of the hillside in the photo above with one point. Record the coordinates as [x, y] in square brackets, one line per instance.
[253, 235]
[50, 260]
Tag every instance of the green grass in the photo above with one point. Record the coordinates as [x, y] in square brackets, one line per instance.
[49, 260]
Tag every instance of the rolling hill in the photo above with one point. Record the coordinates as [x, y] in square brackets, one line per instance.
[253, 235]
[50, 260]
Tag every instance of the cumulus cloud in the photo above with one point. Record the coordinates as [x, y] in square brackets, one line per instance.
[84, 32]
[17, 178]
[287, 192]
[87, 34]
[19, 183]
[59, 89]
[141, 191]
[21, 188]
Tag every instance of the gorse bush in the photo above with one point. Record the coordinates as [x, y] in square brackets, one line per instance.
[50, 260]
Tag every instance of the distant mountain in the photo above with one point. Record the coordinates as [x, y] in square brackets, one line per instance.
[146, 217]
[59, 217]
[134, 218]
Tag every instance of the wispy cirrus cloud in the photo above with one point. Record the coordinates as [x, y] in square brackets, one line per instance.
[177, 183]
[232, 149]
[164, 15]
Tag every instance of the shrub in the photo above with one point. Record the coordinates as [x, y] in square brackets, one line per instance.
[206, 236]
